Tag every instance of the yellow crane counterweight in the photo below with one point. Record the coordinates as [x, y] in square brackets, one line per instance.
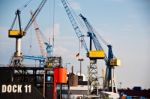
[15, 33]
[96, 54]
[115, 62]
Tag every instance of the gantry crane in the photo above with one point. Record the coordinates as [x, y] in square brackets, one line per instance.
[111, 61]
[18, 34]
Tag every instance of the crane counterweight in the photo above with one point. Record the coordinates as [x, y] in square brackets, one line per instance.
[15, 34]
[19, 33]
[114, 62]
[96, 54]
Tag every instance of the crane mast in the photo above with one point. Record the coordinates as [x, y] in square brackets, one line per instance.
[111, 62]
[99, 50]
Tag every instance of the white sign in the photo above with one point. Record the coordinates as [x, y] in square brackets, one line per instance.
[15, 88]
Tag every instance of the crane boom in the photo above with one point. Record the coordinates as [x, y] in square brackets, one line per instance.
[110, 61]
[39, 37]
[35, 15]
[92, 34]
[93, 54]
[93, 72]
[74, 24]
[41, 41]
[18, 34]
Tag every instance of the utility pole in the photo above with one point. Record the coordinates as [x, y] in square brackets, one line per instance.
[67, 65]
[80, 60]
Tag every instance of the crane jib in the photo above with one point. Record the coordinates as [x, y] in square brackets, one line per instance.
[74, 24]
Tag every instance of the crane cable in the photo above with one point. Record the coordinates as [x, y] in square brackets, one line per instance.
[101, 38]
[20, 9]
[77, 18]
[30, 42]
[13, 22]
[53, 24]
[25, 5]
[80, 24]
[35, 15]
[105, 43]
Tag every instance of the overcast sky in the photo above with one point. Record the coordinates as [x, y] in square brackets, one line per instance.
[123, 23]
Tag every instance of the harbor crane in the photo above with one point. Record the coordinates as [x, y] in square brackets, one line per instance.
[46, 48]
[42, 41]
[74, 24]
[93, 54]
[40, 38]
[111, 61]
[18, 34]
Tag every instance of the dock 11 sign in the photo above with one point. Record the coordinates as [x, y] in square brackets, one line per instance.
[15, 88]
[19, 91]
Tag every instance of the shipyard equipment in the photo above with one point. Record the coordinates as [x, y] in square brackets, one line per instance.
[42, 41]
[74, 24]
[93, 54]
[111, 61]
[19, 33]
[41, 59]
[40, 38]
[51, 70]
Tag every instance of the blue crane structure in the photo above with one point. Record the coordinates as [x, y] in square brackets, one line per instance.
[41, 59]
[110, 61]
[93, 71]
[92, 54]
[42, 41]
[74, 24]
[48, 47]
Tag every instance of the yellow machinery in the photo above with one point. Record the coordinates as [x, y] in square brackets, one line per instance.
[15, 34]
[93, 55]
[18, 34]
[96, 54]
[114, 62]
